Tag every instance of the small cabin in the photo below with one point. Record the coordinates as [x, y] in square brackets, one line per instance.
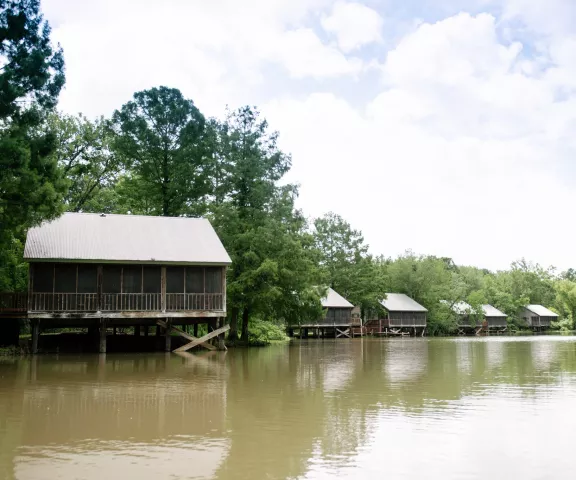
[537, 316]
[338, 309]
[89, 270]
[491, 317]
[336, 321]
[401, 314]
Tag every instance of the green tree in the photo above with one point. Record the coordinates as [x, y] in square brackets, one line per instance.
[162, 139]
[83, 152]
[273, 267]
[347, 266]
[31, 184]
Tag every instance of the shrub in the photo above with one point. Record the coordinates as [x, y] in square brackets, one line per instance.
[262, 332]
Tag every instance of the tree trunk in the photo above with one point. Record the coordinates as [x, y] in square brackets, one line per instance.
[245, 319]
[233, 332]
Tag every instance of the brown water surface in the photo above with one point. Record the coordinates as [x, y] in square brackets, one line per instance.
[496, 408]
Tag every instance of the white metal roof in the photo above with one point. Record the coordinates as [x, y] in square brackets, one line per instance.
[398, 302]
[463, 308]
[490, 311]
[541, 311]
[335, 300]
[126, 238]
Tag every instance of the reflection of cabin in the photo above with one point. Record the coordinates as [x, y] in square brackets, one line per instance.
[402, 315]
[95, 271]
[337, 318]
[537, 316]
[490, 319]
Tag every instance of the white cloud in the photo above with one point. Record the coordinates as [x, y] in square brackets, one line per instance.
[354, 25]
[216, 51]
[465, 145]
[455, 157]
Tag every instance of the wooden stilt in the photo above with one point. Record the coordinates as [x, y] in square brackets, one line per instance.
[221, 344]
[102, 345]
[146, 331]
[35, 335]
[137, 331]
[114, 331]
[195, 329]
[168, 336]
[158, 331]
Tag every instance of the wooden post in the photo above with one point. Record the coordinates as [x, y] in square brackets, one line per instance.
[30, 286]
[168, 336]
[146, 330]
[163, 288]
[157, 331]
[35, 335]
[99, 276]
[195, 329]
[137, 331]
[102, 344]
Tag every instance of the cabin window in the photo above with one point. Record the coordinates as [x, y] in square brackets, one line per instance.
[213, 280]
[132, 279]
[112, 279]
[175, 280]
[65, 278]
[194, 280]
[87, 278]
[43, 277]
[152, 282]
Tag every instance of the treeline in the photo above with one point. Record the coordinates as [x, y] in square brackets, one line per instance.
[159, 155]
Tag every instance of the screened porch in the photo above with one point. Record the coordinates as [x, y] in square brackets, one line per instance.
[69, 287]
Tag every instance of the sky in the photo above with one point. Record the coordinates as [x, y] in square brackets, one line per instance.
[445, 127]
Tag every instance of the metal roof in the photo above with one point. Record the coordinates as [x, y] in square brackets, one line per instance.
[541, 311]
[463, 308]
[335, 300]
[126, 238]
[398, 302]
[460, 308]
[490, 311]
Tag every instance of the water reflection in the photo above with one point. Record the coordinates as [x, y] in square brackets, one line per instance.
[318, 408]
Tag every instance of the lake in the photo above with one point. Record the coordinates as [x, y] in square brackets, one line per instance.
[466, 408]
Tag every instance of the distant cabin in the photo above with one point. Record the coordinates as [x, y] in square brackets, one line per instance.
[401, 313]
[338, 309]
[339, 316]
[491, 318]
[537, 316]
[123, 270]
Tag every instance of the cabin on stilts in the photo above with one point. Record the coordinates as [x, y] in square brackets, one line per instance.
[337, 321]
[102, 272]
[401, 316]
[537, 317]
[489, 319]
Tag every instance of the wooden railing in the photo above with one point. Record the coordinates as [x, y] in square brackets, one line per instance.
[131, 302]
[194, 301]
[13, 302]
[63, 302]
[109, 302]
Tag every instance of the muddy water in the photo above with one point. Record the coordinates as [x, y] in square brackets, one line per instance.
[362, 409]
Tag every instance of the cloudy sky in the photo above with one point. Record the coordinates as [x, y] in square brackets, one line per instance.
[443, 126]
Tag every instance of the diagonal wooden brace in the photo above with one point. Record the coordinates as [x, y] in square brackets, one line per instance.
[184, 334]
[202, 340]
